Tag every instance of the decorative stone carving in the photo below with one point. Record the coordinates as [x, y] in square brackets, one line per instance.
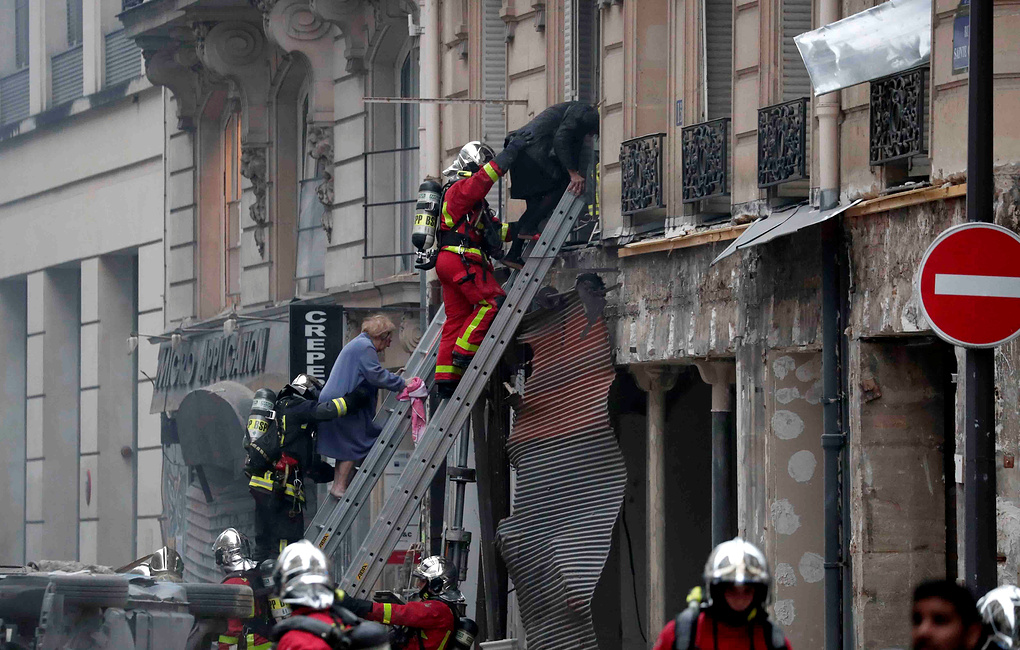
[409, 331]
[175, 65]
[359, 22]
[320, 149]
[238, 51]
[296, 28]
[254, 168]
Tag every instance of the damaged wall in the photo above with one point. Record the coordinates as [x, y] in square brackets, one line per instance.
[898, 418]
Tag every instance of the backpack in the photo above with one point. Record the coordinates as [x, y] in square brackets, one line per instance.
[686, 623]
[346, 632]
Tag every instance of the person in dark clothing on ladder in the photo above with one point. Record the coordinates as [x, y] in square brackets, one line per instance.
[280, 462]
[548, 165]
[732, 615]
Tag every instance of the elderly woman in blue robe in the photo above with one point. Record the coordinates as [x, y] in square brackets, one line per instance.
[349, 439]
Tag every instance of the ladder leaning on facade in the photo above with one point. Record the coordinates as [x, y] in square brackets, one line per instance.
[335, 518]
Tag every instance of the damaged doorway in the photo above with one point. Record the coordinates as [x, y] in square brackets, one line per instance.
[620, 604]
[903, 494]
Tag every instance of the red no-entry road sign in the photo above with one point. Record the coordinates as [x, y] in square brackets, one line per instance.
[969, 283]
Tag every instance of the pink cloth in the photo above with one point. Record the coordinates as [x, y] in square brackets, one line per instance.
[416, 392]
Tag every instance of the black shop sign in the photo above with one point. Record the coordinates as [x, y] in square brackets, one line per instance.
[316, 338]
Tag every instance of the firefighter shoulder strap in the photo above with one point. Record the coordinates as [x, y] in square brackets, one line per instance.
[331, 634]
[686, 629]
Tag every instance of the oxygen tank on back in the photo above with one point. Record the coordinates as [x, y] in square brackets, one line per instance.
[426, 217]
[261, 421]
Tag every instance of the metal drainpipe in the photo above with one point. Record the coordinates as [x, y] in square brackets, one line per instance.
[827, 108]
[832, 436]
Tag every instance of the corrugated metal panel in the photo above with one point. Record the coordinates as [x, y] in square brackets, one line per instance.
[493, 81]
[796, 21]
[570, 478]
[123, 58]
[232, 506]
[14, 102]
[719, 57]
[66, 71]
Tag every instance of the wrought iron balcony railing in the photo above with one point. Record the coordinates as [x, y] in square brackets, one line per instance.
[641, 167]
[898, 116]
[782, 143]
[705, 159]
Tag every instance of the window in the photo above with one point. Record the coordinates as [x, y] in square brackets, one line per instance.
[231, 210]
[21, 33]
[74, 25]
[310, 272]
[409, 74]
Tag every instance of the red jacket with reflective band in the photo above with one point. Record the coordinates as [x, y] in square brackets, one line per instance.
[235, 626]
[731, 637]
[463, 198]
[297, 640]
[433, 618]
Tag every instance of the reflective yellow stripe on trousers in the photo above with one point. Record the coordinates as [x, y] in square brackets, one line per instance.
[450, 370]
[462, 340]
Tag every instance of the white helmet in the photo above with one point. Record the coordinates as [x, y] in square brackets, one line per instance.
[439, 579]
[233, 552]
[1000, 612]
[737, 562]
[302, 576]
[470, 159]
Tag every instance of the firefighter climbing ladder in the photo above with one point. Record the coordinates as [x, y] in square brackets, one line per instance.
[334, 518]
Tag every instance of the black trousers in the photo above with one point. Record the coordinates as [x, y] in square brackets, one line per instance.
[275, 527]
[539, 208]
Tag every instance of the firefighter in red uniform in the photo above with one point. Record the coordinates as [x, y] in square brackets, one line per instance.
[470, 236]
[434, 622]
[233, 556]
[733, 615]
[318, 622]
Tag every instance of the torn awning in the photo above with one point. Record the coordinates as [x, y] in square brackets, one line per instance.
[892, 37]
[782, 223]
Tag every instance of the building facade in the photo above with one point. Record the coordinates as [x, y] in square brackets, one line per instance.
[81, 153]
[709, 122]
[285, 187]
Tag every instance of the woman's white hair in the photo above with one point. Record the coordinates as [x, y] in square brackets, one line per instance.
[377, 325]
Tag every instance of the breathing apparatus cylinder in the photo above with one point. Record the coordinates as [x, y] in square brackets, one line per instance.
[426, 215]
[464, 636]
[262, 416]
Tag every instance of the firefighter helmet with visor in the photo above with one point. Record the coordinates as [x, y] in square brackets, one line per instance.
[233, 551]
[470, 159]
[302, 576]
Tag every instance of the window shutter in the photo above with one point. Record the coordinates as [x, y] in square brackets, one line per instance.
[796, 21]
[719, 56]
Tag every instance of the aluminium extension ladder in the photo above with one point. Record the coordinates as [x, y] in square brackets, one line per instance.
[334, 517]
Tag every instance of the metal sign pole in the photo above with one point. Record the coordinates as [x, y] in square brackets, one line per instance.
[979, 364]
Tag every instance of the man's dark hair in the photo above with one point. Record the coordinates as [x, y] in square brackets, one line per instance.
[957, 595]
